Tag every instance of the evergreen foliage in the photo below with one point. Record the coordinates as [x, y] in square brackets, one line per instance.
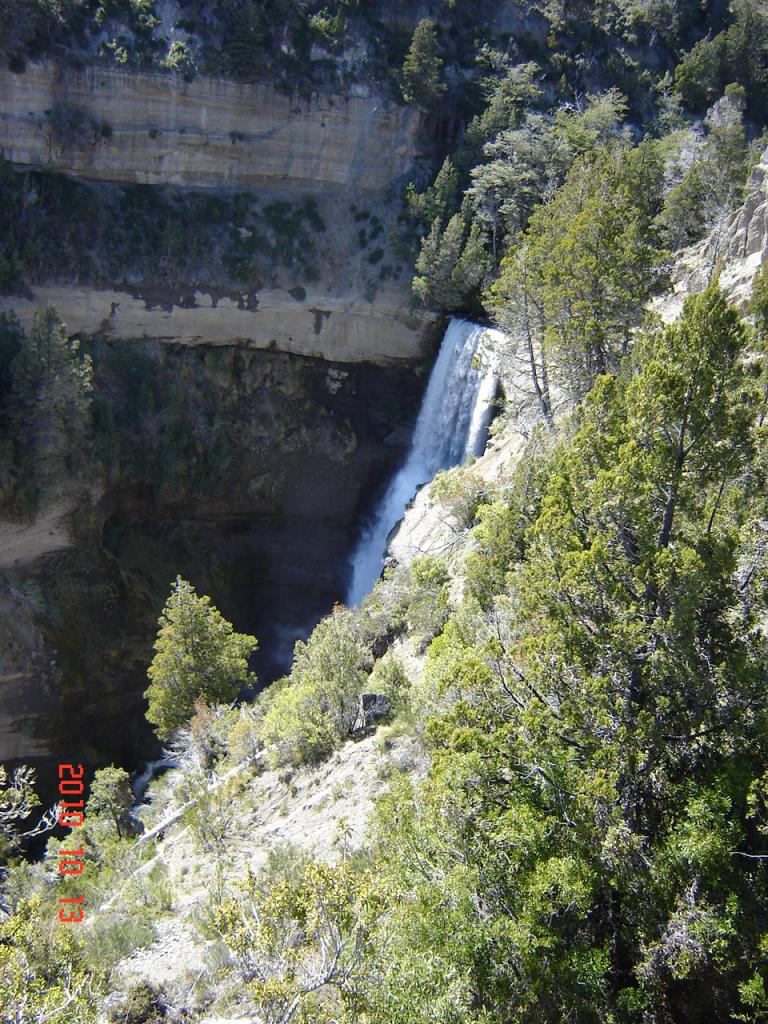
[52, 384]
[198, 654]
[713, 184]
[737, 54]
[111, 798]
[586, 841]
[45, 411]
[315, 708]
[423, 67]
[451, 264]
[605, 729]
[45, 974]
[574, 285]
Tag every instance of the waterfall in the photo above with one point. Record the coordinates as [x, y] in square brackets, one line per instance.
[452, 424]
[140, 780]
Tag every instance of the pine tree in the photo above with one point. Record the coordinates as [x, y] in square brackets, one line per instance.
[198, 654]
[450, 265]
[111, 797]
[423, 67]
[50, 408]
[440, 199]
[248, 34]
[436, 262]
[597, 259]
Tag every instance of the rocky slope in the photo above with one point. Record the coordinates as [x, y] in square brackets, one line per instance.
[320, 810]
[735, 250]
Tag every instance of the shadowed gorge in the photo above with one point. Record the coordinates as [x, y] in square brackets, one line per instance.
[245, 472]
[257, 366]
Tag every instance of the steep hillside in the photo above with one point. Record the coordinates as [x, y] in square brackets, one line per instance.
[733, 252]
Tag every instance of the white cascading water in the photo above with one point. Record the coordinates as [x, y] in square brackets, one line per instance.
[452, 424]
[141, 779]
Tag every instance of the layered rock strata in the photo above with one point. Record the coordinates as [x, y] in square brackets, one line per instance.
[343, 328]
[155, 128]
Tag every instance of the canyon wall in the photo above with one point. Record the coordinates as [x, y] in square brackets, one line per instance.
[244, 471]
[242, 430]
[119, 129]
[305, 321]
[156, 128]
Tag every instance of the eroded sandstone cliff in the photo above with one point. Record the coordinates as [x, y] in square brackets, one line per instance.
[305, 320]
[342, 296]
[155, 128]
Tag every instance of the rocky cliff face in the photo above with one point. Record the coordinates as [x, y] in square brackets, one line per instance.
[242, 471]
[735, 250]
[304, 320]
[350, 154]
[158, 129]
[245, 471]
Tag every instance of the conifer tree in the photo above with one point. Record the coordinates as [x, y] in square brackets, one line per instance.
[111, 797]
[50, 408]
[423, 67]
[198, 654]
[589, 841]
[597, 259]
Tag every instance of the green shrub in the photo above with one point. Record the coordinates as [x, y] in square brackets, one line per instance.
[143, 1005]
[425, 601]
[115, 936]
[297, 728]
[461, 493]
[328, 28]
[737, 54]
[111, 799]
[684, 218]
[150, 891]
[244, 739]
[389, 677]
[314, 711]
[181, 59]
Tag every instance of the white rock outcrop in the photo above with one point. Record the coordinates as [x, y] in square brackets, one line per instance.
[342, 328]
[736, 249]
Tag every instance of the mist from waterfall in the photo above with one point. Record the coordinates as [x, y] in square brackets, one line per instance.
[452, 425]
